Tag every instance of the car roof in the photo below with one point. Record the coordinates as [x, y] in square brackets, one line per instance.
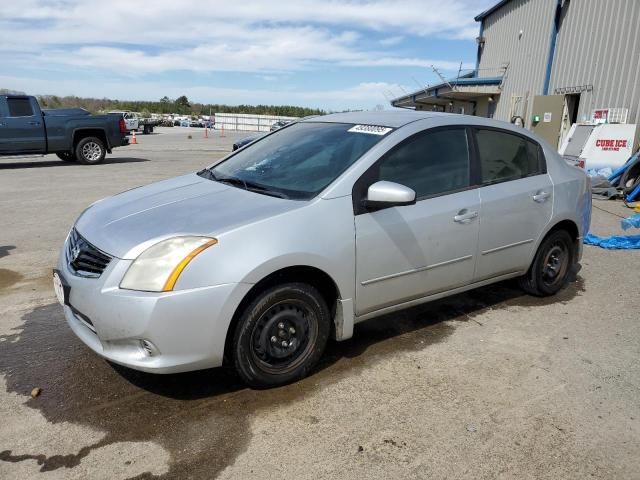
[401, 117]
[391, 118]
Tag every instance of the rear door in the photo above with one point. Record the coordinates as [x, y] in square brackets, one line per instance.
[407, 252]
[516, 200]
[22, 130]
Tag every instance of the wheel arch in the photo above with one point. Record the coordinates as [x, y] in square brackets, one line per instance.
[567, 224]
[314, 276]
[80, 133]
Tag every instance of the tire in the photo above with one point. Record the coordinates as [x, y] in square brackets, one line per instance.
[291, 313]
[90, 150]
[67, 157]
[552, 265]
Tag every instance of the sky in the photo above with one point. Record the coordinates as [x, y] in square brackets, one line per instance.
[327, 54]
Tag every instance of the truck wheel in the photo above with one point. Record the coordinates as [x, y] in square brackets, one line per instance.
[67, 157]
[90, 150]
[281, 335]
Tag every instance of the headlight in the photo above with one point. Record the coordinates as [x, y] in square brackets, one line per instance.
[158, 268]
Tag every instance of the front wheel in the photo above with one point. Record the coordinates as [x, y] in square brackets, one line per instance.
[67, 156]
[551, 267]
[281, 335]
[90, 150]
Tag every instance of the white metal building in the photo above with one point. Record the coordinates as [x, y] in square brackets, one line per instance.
[583, 55]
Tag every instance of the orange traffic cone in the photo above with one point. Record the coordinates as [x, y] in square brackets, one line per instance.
[133, 138]
[222, 131]
[206, 132]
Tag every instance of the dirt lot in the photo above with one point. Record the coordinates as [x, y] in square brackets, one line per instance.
[489, 384]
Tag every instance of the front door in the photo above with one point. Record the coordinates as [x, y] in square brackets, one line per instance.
[516, 199]
[22, 131]
[407, 252]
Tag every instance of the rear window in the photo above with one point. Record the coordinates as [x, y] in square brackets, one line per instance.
[504, 156]
[19, 107]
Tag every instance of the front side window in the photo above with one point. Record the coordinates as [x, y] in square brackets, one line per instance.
[296, 162]
[504, 156]
[431, 163]
[19, 107]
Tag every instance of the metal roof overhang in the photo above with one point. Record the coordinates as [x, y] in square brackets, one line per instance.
[461, 89]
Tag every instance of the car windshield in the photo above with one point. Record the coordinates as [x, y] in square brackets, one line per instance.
[298, 161]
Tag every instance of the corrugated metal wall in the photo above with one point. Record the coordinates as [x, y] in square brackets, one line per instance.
[599, 45]
[527, 55]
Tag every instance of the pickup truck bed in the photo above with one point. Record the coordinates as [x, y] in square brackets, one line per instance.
[72, 133]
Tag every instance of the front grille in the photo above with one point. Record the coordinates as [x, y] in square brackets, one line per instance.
[84, 259]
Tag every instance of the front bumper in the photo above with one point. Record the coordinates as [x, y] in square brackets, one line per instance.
[183, 330]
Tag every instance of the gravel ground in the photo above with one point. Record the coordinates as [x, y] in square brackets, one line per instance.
[488, 384]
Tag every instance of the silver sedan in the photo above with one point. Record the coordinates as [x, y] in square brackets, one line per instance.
[322, 224]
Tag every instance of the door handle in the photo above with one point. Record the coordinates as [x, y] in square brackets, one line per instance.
[34, 123]
[541, 196]
[465, 216]
[3, 124]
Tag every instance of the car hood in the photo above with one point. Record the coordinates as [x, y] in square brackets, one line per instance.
[186, 205]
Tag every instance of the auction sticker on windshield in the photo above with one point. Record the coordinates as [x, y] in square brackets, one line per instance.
[370, 129]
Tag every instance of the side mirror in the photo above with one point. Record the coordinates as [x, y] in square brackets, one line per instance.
[385, 194]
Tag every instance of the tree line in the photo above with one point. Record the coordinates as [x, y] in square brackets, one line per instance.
[181, 105]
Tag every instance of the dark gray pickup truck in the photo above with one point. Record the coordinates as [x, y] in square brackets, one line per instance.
[72, 134]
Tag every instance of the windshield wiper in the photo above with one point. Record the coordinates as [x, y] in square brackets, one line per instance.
[206, 173]
[250, 186]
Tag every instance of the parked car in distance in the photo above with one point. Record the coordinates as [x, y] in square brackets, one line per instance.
[73, 134]
[245, 141]
[331, 221]
[134, 122]
[279, 124]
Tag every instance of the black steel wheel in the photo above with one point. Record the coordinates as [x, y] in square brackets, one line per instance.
[551, 267]
[281, 335]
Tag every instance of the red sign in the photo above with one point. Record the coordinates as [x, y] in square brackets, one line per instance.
[611, 144]
[600, 114]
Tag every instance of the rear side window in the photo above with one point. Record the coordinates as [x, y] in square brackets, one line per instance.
[19, 107]
[431, 163]
[504, 156]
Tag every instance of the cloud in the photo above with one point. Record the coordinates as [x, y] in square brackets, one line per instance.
[125, 40]
[188, 19]
[251, 35]
[387, 42]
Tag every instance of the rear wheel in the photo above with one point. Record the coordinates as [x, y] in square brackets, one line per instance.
[67, 157]
[90, 150]
[281, 335]
[551, 267]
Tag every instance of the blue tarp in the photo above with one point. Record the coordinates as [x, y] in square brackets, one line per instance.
[632, 221]
[615, 242]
